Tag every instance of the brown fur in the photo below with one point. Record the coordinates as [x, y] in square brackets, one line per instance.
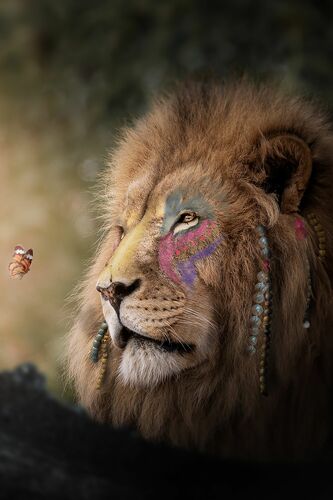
[238, 136]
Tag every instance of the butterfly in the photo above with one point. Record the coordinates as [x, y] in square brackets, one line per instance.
[20, 263]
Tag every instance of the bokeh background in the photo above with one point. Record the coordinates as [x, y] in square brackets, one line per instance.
[72, 72]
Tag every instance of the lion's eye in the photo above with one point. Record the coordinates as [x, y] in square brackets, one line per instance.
[120, 232]
[185, 221]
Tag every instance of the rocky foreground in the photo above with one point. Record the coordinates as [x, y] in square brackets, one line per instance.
[50, 450]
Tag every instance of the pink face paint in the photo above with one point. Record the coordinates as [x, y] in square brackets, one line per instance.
[300, 229]
[179, 253]
[166, 253]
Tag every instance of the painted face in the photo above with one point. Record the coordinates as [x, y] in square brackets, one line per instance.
[183, 246]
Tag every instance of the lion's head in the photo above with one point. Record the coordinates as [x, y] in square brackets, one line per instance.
[176, 274]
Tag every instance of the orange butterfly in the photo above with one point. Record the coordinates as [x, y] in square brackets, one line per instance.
[20, 263]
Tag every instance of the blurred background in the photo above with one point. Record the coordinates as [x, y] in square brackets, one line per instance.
[72, 72]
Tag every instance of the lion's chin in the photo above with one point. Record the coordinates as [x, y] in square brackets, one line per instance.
[146, 364]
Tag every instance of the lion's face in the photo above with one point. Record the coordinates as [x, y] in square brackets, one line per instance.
[158, 286]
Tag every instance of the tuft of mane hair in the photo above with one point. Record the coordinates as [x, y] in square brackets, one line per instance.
[271, 155]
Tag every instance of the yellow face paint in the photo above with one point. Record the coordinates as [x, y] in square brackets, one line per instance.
[160, 209]
[131, 218]
[122, 263]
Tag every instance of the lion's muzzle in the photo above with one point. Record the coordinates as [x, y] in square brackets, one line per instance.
[111, 297]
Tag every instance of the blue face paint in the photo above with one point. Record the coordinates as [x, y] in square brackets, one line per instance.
[177, 202]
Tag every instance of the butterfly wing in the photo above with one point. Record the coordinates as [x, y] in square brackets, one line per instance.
[20, 263]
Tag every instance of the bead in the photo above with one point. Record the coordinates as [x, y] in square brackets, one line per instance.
[257, 309]
[261, 286]
[101, 332]
[265, 252]
[255, 331]
[322, 253]
[258, 298]
[262, 276]
[260, 230]
[263, 241]
[251, 349]
[255, 320]
[253, 340]
[306, 324]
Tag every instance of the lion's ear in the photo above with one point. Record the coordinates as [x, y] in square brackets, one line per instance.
[287, 165]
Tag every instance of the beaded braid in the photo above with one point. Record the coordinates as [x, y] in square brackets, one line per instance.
[262, 310]
[321, 237]
[320, 233]
[306, 320]
[101, 345]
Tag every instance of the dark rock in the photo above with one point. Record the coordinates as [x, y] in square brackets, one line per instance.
[50, 450]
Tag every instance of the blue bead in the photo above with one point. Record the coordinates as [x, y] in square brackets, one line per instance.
[251, 349]
[263, 241]
[260, 230]
[254, 331]
[261, 286]
[258, 298]
[262, 276]
[255, 320]
[257, 309]
[96, 344]
[253, 340]
[265, 252]
[94, 355]
[101, 332]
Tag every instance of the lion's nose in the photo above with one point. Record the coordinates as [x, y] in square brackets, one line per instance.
[116, 291]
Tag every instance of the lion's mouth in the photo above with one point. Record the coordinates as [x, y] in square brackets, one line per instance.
[165, 345]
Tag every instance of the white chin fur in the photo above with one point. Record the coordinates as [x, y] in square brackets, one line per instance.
[112, 320]
[147, 365]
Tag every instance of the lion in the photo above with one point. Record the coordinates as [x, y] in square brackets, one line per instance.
[176, 272]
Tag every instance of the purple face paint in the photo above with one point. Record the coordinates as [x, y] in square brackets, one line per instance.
[179, 253]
